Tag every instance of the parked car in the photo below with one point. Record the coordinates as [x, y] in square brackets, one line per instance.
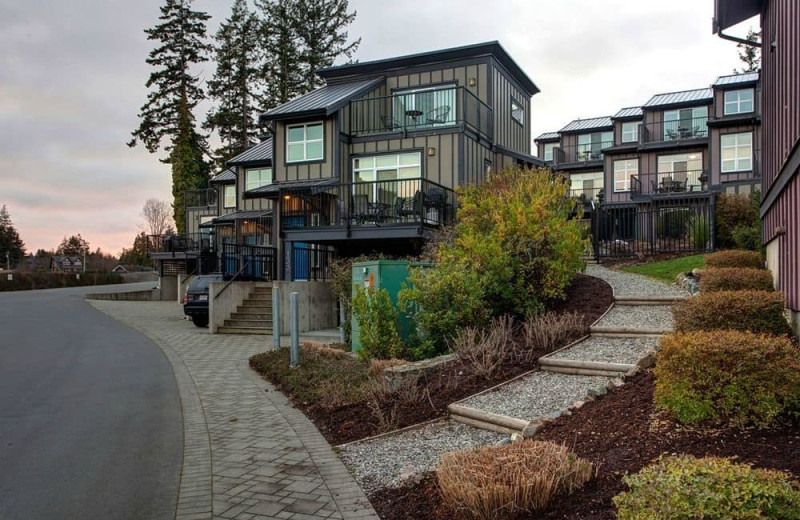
[195, 300]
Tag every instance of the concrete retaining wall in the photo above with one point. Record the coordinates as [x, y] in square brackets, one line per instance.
[138, 296]
[316, 305]
[220, 308]
[169, 288]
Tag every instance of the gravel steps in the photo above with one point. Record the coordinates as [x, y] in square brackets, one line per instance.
[637, 317]
[608, 350]
[629, 285]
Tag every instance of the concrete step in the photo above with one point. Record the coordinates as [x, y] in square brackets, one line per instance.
[254, 309]
[258, 316]
[244, 330]
[266, 324]
[261, 290]
[249, 302]
[261, 297]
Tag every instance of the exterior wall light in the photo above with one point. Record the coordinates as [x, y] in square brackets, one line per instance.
[431, 151]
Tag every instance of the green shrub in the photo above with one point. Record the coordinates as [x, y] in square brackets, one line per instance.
[748, 237]
[728, 377]
[735, 258]
[732, 211]
[736, 279]
[673, 223]
[699, 232]
[342, 285]
[756, 311]
[377, 324]
[684, 487]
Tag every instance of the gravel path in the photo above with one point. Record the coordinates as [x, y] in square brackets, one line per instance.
[609, 350]
[381, 462]
[657, 317]
[633, 285]
[540, 394]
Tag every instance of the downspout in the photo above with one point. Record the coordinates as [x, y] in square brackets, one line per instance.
[718, 31]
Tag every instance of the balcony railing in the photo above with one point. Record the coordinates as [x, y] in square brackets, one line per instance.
[581, 153]
[246, 262]
[200, 198]
[666, 182]
[311, 263]
[418, 111]
[184, 243]
[379, 203]
[677, 130]
[586, 195]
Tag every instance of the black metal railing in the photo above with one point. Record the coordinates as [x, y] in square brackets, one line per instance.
[183, 243]
[311, 263]
[682, 226]
[248, 263]
[678, 182]
[586, 195]
[675, 130]
[580, 153]
[378, 203]
[200, 198]
[417, 111]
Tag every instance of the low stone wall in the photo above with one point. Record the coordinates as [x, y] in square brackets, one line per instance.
[399, 375]
[131, 296]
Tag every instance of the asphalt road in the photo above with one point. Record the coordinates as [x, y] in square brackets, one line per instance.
[90, 416]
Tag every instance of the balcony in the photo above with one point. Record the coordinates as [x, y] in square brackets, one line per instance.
[179, 245]
[586, 195]
[581, 153]
[425, 110]
[387, 208]
[200, 198]
[683, 131]
[667, 183]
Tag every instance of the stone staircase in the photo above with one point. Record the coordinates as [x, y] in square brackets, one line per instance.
[253, 316]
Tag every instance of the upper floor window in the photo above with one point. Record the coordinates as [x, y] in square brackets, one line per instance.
[548, 151]
[685, 123]
[304, 143]
[426, 106]
[256, 178]
[229, 199]
[737, 152]
[382, 178]
[586, 186]
[517, 112]
[589, 145]
[738, 102]
[623, 170]
[682, 168]
[630, 132]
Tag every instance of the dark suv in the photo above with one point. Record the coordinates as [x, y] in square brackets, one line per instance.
[195, 300]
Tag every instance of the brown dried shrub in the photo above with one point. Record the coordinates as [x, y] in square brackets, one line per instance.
[323, 350]
[376, 366]
[756, 311]
[499, 481]
[487, 350]
[735, 258]
[549, 331]
[736, 279]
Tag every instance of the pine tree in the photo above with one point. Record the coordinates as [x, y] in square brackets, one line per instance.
[321, 30]
[750, 55]
[75, 245]
[237, 84]
[136, 255]
[12, 248]
[174, 93]
[281, 51]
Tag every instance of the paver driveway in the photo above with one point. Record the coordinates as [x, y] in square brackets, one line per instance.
[248, 453]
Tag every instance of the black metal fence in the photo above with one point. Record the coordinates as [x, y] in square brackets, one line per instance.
[667, 182]
[580, 153]
[248, 263]
[200, 198]
[674, 130]
[183, 243]
[310, 263]
[679, 226]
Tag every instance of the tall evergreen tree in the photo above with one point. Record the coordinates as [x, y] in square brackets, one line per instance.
[75, 245]
[237, 84]
[281, 51]
[750, 55]
[321, 27]
[174, 93]
[12, 248]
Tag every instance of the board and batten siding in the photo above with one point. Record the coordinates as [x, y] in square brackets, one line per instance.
[323, 169]
[715, 151]
[193, 216]
[608, 176]
[507, 131]
[476, 156]
[243, 204]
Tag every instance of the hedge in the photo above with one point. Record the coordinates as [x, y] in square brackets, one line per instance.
[756, 311]
[736, 279]
[735, 258]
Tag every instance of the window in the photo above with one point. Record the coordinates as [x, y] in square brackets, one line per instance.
[548, 151]
[429, 106]
[738, 102]
[589, 145]
[586, 186]
[685, 123]
[623, 170]
[304, 143]
[230, 196]
[387, 177]
[685, 168]
[737, 152]
[517, 112]
[630, 132]
[257, 177]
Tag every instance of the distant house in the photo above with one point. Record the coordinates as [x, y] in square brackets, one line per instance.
[119, 269]
[66, 264]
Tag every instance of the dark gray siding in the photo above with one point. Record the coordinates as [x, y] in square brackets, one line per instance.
[507, 131]
[306, 170]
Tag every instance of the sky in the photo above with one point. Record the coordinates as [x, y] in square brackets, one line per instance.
[73, 73]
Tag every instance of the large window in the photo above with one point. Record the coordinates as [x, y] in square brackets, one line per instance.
[738, 102]
[386, 177]
[429, 106]
[229, 200]
[589, 145]
[517, 112]
[256, 178]
[623, 170]
[586, 186]
[737, 152]
[686, 123]
[683, 169]
[304, 143]
[630, 132]
[548, 151]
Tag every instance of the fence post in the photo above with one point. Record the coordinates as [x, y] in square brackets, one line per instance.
[276, 317]
[294, 326]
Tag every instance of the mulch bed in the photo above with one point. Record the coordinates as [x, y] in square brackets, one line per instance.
[587, 296]
[620, 433]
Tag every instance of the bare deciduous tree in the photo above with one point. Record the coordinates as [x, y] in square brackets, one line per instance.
[157, 216]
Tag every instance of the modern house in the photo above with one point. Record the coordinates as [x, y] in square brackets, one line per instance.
[66, 264]
[672, 155]
[780, 164]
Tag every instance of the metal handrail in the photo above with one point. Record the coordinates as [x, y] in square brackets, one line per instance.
[233, 279]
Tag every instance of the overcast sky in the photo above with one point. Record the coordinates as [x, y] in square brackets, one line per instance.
[72, 76]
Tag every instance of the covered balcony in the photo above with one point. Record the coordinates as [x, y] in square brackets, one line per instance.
[580, 153]
[677, 131]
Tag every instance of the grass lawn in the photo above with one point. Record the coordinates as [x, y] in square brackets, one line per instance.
[668, 270]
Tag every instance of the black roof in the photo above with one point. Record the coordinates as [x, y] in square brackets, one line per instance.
[456, 53]
[224, 177]
[260, 153]
[323, 101]
[276, 187]
[241, 215]
[728, 13]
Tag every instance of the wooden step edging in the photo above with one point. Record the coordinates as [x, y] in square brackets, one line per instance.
[508, 423]
[648, 301]
[571, 366]
[626, 332]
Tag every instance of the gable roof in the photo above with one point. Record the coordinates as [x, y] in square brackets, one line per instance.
[225, 176]
[323, 101]
[736, 79]
[630, 112]
[548, 136]
[276, 187]
[594, 123]
[695, 97]
[260, 153]
[492, 48]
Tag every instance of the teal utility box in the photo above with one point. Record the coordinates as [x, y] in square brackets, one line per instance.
[382, 274]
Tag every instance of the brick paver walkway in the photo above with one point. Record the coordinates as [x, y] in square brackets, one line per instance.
[248, 454]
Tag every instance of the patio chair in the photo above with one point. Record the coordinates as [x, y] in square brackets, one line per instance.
[438, 116]
[402, 209]
[389, 123]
